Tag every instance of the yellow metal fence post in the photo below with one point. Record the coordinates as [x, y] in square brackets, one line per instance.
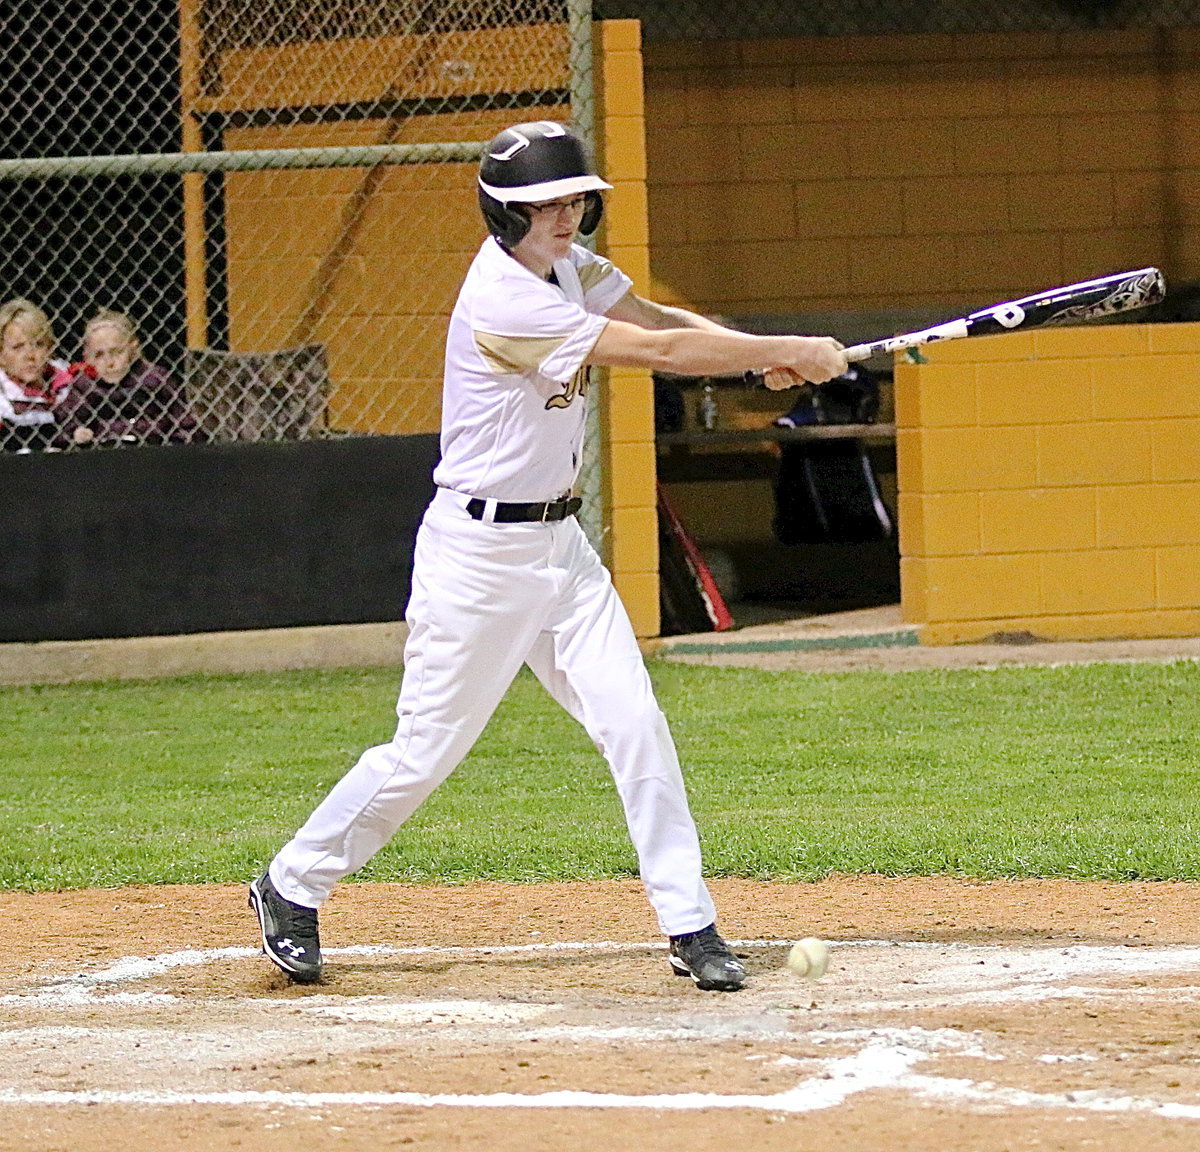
[194, 271]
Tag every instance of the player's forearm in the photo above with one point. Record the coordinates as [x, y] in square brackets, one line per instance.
[669, 318]
[719, 352]
[634, 309]
[714, 352]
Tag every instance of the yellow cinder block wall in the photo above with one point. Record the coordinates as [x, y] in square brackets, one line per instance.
[863, 173]
[628, 426]
[1046, 484]
[1049, 483]
[366, 261]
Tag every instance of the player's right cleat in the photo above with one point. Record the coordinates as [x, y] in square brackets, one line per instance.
[706, 958]
[289, 932]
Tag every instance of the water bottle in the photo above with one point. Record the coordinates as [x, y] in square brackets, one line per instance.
[708, 407]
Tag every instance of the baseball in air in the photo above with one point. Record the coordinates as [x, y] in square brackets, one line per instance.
[809, 958]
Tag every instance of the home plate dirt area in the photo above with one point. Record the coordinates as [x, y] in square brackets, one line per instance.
[955, 1015]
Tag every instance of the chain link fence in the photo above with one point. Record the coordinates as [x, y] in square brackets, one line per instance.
[264, 210]
[248, 221]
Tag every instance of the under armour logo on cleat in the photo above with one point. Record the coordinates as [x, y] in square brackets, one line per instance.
[293, 949]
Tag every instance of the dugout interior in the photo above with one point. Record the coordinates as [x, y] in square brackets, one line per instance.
[863, 184]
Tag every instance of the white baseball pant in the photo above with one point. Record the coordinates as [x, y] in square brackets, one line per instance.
[485, 599]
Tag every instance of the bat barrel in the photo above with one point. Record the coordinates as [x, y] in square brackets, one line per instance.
[1072, 304]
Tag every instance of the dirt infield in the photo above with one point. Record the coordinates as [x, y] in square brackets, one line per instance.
[956, 1016]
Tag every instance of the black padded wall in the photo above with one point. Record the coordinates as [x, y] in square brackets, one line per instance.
[200, 538]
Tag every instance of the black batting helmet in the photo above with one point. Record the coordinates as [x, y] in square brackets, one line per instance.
[527, 163]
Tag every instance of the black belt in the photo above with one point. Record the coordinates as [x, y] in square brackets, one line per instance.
[521, 513]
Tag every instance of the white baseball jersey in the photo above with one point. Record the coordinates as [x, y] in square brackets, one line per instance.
[515, 388]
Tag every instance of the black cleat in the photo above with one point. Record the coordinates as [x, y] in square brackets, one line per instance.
[289, 932]
[706, 958]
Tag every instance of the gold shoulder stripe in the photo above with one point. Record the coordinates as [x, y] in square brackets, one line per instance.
[591, 274]
[509, 354]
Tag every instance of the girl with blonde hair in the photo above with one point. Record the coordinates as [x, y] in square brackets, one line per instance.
[33, 385]
[123, 399]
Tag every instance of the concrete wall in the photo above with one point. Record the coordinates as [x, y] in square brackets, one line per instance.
[1050, 484]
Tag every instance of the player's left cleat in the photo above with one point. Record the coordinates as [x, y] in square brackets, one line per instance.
[706, 958]
[289, 932]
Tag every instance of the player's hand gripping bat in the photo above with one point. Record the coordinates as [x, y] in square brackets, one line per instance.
[1073, 304]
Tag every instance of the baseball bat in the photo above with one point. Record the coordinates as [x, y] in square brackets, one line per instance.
[1072, 304]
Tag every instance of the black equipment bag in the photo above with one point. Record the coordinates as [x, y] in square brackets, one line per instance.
[826, 493]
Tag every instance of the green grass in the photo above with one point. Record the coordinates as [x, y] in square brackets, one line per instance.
[1086, 772]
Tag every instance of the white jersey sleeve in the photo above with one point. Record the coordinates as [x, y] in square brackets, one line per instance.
[547, 327]
[534, 330]
[602, 281]
[516, 379]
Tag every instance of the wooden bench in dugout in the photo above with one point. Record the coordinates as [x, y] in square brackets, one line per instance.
[824, 481]
[280, 395]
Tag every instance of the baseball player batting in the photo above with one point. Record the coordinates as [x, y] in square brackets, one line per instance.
[503, 575]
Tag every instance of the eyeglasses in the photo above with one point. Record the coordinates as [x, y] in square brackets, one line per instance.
[554, 207]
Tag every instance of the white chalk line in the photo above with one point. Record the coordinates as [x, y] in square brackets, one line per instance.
[81, 988]
[145, 967]
[883, 1063]
[1037, 967]
[886, 1061]
[1042, 961]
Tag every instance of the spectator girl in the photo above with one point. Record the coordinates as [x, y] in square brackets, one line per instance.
[123, 398]
[33, 385]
